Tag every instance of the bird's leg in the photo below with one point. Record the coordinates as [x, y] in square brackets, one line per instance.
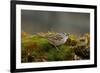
[56, 47]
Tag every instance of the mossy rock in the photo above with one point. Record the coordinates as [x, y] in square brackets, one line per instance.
[35, 48]
[44, 47]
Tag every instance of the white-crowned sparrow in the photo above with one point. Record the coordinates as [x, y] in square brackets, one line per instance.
[57, 39]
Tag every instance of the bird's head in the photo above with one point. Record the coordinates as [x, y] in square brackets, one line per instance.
[67, 34]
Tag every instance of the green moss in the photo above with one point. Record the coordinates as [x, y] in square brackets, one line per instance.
[35, 46]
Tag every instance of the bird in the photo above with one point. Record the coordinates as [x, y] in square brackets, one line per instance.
[57, 39]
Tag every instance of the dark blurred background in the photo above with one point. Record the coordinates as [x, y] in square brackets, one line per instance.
[33, 21]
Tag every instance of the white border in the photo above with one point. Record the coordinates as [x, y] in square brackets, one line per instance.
[20, 65]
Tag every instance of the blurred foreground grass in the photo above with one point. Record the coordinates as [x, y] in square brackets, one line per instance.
[36, 48]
